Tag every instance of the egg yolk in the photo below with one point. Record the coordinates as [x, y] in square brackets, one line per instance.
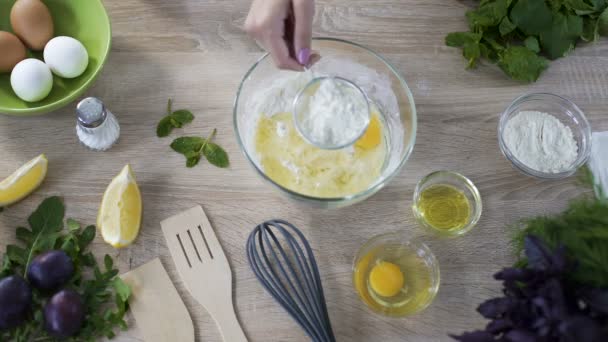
[372, 136]
[386, 279]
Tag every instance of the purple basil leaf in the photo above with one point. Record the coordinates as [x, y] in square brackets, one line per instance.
[581, 328]
[474, 336]
[554, 294]
[495, 308]
[542, 306]
[520, 335]
[538, 255]
[559, 262]
[597, 299]
[513, 274]
[498, 326]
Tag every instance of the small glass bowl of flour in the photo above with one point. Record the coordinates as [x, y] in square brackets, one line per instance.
[544, 135]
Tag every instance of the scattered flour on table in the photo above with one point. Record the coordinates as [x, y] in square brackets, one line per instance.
[540, 141]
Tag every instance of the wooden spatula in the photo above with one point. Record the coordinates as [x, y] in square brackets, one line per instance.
[157, 307]
[203, 267]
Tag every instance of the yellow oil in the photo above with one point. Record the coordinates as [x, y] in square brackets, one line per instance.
[417, 286]
[444, 207]
[292, 162]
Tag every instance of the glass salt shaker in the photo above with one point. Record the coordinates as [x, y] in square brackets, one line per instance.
[97, 128]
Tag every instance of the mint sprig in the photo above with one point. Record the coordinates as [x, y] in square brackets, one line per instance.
[174, 119]
[519, 35]
[105, 294]
[193, 148]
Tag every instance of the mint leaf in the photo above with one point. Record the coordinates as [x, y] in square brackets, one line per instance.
[185, 145]
[560, 37]
[532, 44]
[469, 42]
[174, 119]
[489, 13]
[193, 160]
[603, 23]
[522, 64]
[459, 39]
[590, 29]
[216, 155]
[531, 16]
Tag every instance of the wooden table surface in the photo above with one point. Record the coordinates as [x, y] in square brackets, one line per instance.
[195, 52]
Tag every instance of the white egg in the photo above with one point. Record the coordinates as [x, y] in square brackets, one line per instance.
[31, 80]
[66, 57]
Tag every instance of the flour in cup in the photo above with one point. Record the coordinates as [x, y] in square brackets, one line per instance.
[335, 115]
[540, 141]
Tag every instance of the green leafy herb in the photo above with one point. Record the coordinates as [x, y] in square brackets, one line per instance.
[193, 148]
[104, 294]
[174, 119]
[502, 30]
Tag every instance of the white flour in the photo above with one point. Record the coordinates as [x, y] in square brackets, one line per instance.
[540, 141]
[335, 115]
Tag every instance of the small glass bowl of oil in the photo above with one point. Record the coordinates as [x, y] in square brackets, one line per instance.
[447, 203]
[395, 276]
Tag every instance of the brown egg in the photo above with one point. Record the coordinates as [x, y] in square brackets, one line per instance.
[12, 49]
[32, 23]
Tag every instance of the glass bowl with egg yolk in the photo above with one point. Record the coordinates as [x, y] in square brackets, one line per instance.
[266, 133]
[395, 276]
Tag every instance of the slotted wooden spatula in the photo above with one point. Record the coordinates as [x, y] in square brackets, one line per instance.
[203, 267]
[160, 314]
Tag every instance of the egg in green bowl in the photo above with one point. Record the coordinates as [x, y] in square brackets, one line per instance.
[84, 20]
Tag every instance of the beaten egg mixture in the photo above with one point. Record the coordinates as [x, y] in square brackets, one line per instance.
[295, 164]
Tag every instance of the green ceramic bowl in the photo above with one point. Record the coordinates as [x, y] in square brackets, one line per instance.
[85, 20]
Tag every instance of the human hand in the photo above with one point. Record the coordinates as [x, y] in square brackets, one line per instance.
[284, 28]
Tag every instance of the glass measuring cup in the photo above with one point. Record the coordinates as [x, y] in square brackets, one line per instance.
[331, 130]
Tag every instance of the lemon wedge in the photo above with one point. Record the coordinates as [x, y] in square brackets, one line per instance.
[23, 181]
[120, 212]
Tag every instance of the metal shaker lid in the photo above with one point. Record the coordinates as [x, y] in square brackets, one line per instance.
[91, 112]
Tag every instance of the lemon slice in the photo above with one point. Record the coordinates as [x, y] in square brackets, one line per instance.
[23, 181]
[120, 212]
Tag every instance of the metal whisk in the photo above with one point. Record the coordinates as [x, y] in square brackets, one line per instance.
[284, 263]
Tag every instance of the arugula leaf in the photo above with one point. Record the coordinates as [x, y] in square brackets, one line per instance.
[559, 38]
[522, 64]
[45, 223]
[531, 16]
[174, 119]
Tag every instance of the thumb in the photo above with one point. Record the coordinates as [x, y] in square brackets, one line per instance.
[304, 11]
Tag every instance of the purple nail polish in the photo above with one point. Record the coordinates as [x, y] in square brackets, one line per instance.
[304, 56]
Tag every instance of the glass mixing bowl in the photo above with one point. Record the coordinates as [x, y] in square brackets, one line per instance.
[398, 109]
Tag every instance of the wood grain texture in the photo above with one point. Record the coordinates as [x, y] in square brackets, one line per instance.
[195, 52]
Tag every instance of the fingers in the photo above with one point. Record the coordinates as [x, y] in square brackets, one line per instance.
[280, 53]
[304, 11]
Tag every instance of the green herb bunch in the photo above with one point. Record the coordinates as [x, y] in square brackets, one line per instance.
[519, 34]
[105, 295]
[192, 147]
[583, 231]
